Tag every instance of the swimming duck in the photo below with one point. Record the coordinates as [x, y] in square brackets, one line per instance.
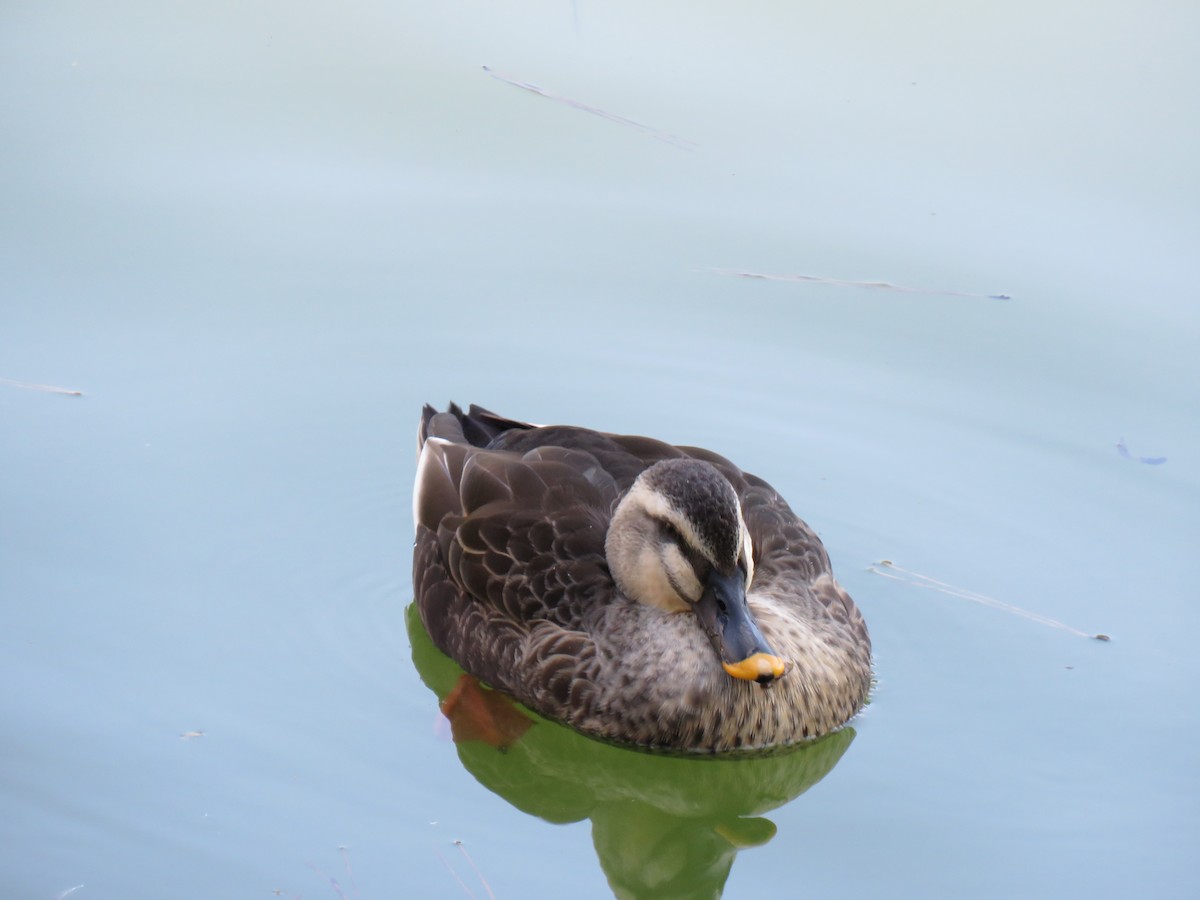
[639, 592]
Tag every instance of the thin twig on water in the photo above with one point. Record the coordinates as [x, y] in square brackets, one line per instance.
[487, 887]
[48, 388]
[594, 110]
[924, 581]
[349, 871]
[450, 869]
[839, 282]
[337, 888]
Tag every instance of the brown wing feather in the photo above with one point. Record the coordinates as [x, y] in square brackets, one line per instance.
[508, 558]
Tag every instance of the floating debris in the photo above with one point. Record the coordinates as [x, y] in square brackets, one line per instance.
[333, 882]
[596, 111]
[1123, 452]
[487, 887]
[48, 388]
[462, 884]
[924, 581]
[449, 868]
[839, 282]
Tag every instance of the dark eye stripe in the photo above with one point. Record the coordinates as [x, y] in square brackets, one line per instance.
[699, 563]
[670, 532]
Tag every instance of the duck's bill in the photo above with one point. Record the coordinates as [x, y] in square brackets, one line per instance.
[726, 618]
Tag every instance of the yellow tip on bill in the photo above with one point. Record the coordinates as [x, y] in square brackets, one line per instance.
[752, 668]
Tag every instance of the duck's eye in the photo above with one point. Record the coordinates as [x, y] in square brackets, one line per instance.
[670, 532]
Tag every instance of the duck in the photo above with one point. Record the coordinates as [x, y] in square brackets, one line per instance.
[641, 593]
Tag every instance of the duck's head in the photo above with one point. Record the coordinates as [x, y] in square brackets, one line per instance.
[678, 542]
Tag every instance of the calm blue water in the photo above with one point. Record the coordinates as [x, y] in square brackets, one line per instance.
[258, 238]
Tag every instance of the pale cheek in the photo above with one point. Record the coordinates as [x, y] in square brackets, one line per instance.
[653, 587]
[682, 574]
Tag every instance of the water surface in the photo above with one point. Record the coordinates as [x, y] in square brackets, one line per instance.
[257, 239]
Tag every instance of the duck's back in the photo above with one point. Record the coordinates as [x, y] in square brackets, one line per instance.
[509, 554]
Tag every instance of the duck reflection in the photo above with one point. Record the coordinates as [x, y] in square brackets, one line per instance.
[662, 826]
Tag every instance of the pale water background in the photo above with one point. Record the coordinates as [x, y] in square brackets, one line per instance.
[257, 236]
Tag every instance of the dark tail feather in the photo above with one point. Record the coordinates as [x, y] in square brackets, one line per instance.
[478, 426]
[487, 423]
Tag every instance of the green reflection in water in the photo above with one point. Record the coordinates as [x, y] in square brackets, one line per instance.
[663, 826]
